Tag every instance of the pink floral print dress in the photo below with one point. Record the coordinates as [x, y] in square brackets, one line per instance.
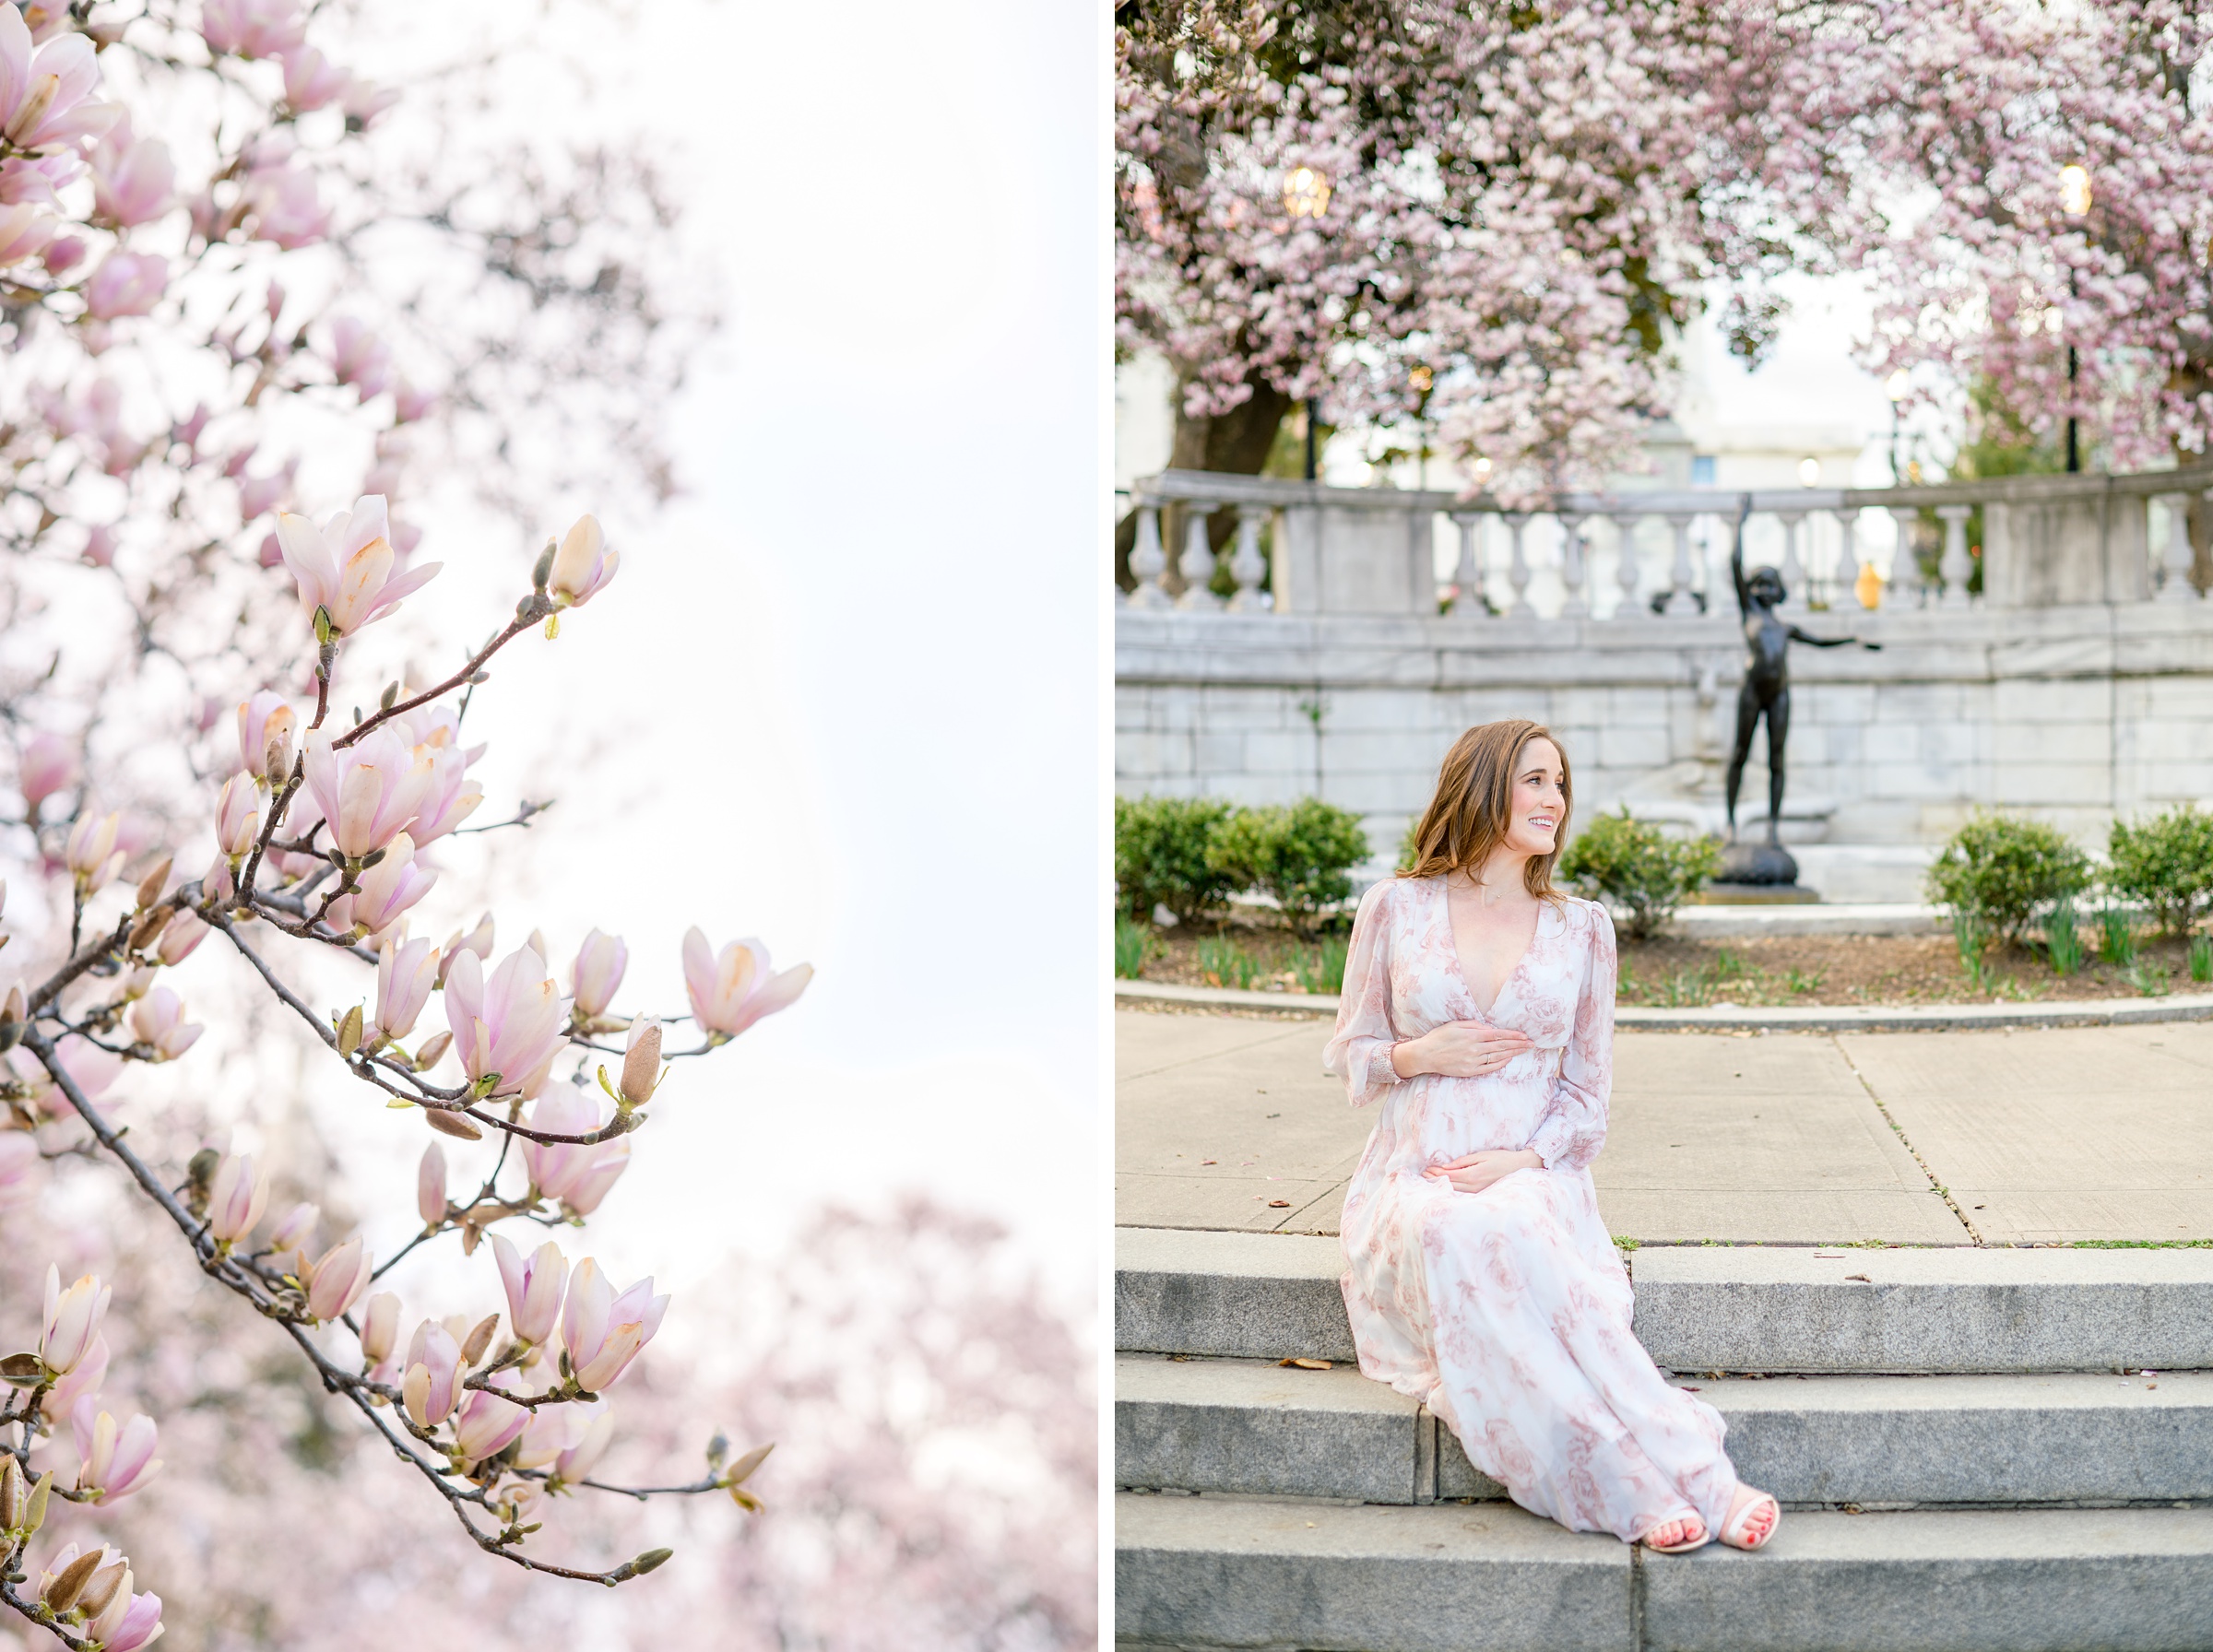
[1507, 1312]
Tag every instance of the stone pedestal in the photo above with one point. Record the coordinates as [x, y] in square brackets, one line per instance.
[1757, 864]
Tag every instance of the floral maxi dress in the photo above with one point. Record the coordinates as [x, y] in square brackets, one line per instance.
[1507, 1312]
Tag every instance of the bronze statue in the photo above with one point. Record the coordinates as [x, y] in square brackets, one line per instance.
[1766, 693]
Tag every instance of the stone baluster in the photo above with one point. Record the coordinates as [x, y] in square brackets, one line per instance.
[1574, 565]
[1517, 568]
[1681, 604]
[1793, 566]
[1148, 562]
[1196, 565]
[1957, 567]
[1467, 576]
[1625, 565]
[2174, 563]
[1848, 557]
[1249, 567]
[1905, 561]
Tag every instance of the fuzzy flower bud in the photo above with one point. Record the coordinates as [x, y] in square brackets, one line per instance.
[641, 1063]
[73, 1319]
[730, 993]
[597, 973]
[157, 1020]
[432, 1384]
[236, 1197]
[602, 1329]
[534, 1287]
[116, 1461]
[335, 1279]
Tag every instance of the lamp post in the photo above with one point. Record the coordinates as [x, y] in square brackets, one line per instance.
[1307, 194]
[2075, 201]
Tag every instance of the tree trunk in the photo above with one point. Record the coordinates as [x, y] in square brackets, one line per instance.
[1235, 444]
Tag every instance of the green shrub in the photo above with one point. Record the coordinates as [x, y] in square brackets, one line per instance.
[1134, 945]
[2165, 864]
[1999, 870]
[1302, 855]
[1640, 869]
[1161, 856]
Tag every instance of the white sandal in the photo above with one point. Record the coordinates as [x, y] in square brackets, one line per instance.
[1739, 1516]
[1704, 1537]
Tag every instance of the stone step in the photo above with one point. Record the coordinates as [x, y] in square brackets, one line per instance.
[1253, 1428]
[1724, 1309]
[1208, 1571]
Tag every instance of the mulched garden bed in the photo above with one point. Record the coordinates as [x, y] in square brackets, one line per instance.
[1670, 972]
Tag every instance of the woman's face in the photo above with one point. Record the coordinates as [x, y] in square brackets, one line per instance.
[1540, 800]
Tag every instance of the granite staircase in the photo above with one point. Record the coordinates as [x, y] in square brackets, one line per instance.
[1977, 1451]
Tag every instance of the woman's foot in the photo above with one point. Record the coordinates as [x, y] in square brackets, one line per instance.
[1678, 1536]
[1753, 1517]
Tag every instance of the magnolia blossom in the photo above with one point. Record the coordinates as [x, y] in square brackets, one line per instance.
[43, 98]
[87, 1379]
[73, 1319]
[236, 1197]
[265, 732]
[405, 974]
[380, 1334]
[369, 792]
[310, 81]
[534, 1286]
[25, 232]
[578, 1173]
[132, 181]
[38, 180]
[335, 1279]
[450, 797]
[593, 1426]
[48, 765]
[358, 357]
[583, 565]
[22, 1169]
[113, 1462]
[251, 28]
[184, 933]
[63, 1581]
[237, 816]
[384, 892]
[603, 1330]
[90, 850]
[487, 1424]
[430, 1186]
[432, 1384]
[549, 1432]
[90, 1069]
[730, 992]
[597, 973]
[157, 1020]
[510, 1025]
[126, 284]
[288, 1239]
[130, 1622]
[365, 101]
[346, 567]
[285, 206]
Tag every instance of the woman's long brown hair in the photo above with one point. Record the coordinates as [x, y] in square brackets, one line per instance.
[1474, 807]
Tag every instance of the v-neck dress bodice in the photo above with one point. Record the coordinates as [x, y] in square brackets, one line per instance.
[1508, 1311]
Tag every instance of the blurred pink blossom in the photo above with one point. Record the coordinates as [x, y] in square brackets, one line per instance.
[731, 992]
[604, 1331]
[89, 850]
[24, 231]
[181, 936]
[358, 357]
[48, 765]
[236, 1197]
[100, 546]
[23, 1170]
[133, 181]
[62, 255]
[510, 1024]
[257, 494]
[126, 284]
[112, 1462]
[592, 1432]
[345, 567]
[157, 1020]
[90, 1374]
[36, 179]
[251, 28]
[285, 206]
[43, 98]
[365, 101]
[311, 79]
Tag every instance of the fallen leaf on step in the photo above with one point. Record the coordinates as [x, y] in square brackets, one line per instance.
[1861, 1277]
[1279, 1204]
[1306, 1364]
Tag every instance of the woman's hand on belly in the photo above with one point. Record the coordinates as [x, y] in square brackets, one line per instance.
[1458, 1050]
[1472, 1173]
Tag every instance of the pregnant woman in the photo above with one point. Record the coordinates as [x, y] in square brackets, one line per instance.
[1478, 1010]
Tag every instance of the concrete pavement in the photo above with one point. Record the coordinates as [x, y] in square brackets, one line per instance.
[2060, 1134]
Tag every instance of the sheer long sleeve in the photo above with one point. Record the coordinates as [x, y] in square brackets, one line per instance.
[1574, 1124]
[1359, 1053]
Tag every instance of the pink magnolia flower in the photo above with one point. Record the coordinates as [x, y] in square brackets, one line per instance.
[181, 937]
[602, 1329]
[89, 850]
[158, 1018]
[379, 1333]
[89, 1068]
[386, 890]
[408, 404]
[405, 974]
[592, 1430]
[365, 101]
[251, 28]
[578, 1173]
[112, 1462]
[91, 1375]
[430, 1186]
[43, 100]
[99, 545]
[597, 973]
[510, 1025]
[236, 1197]
[288, 1239]
[358, 357]
[22, 1168]
[37, 180]
[126, 284]
[311, 79]
[51, 1573]
[286, 207]
[73, 1319]
[369, 792]
[265, 722]
[64, 255]
[25, 232]
[534, 1287]
[549, 1432]
[132, 181]
[346, 567]
[730, 992]
[131, 1621]
[487, 1424]
[451, 798]
[335, 1279]
[583, 565]
[48, 765]
[432, 1384]
[238, 816]
[257, 494]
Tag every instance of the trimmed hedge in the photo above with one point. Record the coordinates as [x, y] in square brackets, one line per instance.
[1161, 856]
[1640, 869]
[1999, 871]
[2165, 864]
[1191, 854]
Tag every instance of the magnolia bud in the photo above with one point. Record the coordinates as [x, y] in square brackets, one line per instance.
[349, 1032]
[69, 1583]
[34, 1516]
[479, 1339]
[447, 1122]
[433, 1049]
[93, 1598]
[151, 885]
[430, 1186]
[14, 1010]
[277, 760]
[14, 1495]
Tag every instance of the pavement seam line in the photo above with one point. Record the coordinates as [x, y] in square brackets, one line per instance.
[1943, 1192]
[1121, 1078]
